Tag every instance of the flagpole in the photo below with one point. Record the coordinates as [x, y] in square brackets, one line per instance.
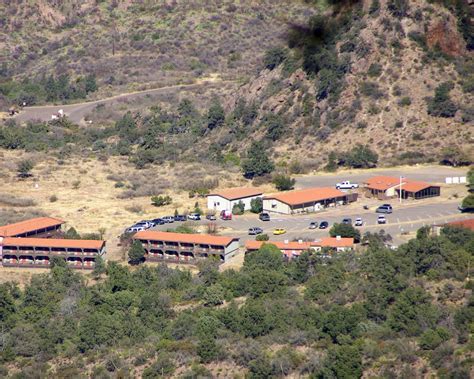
[400, 189]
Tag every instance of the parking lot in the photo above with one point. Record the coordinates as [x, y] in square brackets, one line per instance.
[406, 218]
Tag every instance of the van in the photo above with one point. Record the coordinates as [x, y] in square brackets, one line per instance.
[386, 208]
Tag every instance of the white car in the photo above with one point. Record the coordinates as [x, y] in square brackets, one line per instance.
[194, 216]
[346, 185]
[359, 222]
[135, 228]
[381, 220]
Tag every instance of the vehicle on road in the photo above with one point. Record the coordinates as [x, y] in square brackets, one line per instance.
[385, 208]
[381, 220]
[313, 225]
[158, 221]
[134, 229]
[279, 231]
[145, 223]
[168, 219]
[358, 222]
[194, 216]
[264, 216]
[466, 209]
[180, 218]
[323, 225]
[226, 215]
[347, 221]
[346, 185]
[255, 230]
[211, 218]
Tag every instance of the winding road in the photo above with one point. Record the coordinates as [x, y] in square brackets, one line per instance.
[76, 112]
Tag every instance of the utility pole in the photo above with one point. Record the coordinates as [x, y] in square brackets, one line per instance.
[400, 190]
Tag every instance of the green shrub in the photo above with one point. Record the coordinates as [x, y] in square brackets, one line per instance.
[404, 101]
[262, 237]
[283, 182]
[345, 230]
[256, 205]
[159, 201]
[371, 89]
[442, 105]
[136, 254]
[374, 70]
[274, 57]
[238, 208]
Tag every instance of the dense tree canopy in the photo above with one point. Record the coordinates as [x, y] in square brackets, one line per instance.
[348, 312]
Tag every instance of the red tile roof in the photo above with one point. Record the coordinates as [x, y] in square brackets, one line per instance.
[237, 193]
[53, 242]
[332, 242]
[469, 224]
[307, 195]
[383, 183]
[291, 245]
[26, 226]
[204, 239]
[410, 186]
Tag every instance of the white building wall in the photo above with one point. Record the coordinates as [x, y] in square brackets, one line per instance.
[219, 203]
[273, 205]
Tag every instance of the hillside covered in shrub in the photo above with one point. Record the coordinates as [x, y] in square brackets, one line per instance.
[375, 313]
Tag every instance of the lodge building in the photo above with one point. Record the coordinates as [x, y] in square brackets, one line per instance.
[386, 187]
[30, 244]
[292, 249]
[36, 227]
[37, 252]
[184, 247]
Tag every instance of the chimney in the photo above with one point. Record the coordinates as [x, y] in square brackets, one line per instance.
[338, 238]
[286, 242]
[300, 242]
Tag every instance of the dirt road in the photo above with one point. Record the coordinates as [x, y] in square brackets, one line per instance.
[77, 112]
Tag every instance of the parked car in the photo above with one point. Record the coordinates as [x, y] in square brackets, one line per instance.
[346, 185]
[134, 229]
[313, 225]
[465, 209]
[279, 231]
[158, 221]
[255, 230]
[381, 220]
[226, 215]
[211, 217]
[385, 208]
[323, 225]
[347, 221]
[194, 216]
[146, 224]
[168, 219]
[264, 216]
[180, 218]
[358, 222]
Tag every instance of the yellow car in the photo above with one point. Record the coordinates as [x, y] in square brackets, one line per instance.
[279, 231]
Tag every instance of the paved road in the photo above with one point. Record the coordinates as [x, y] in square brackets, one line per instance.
[432, 174]
[407, 217]
[77, 112]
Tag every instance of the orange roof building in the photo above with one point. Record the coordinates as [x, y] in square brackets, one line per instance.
[33, 227]
[306, 200]
[186, 248]
[226, 199]
[385, 187]
[293, 249]
[38, 252]
[468, 224]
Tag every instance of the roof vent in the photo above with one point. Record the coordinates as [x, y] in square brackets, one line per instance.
[338, 237]
[300, 241]
[286, 242]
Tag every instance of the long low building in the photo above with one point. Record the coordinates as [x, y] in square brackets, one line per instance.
[184, 247]
[37, 252]
[306, 200]
[37, 227]
[226, 199]
[292, 249]
[385, 187]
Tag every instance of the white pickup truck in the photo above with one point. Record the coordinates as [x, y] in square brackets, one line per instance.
[346, 185]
